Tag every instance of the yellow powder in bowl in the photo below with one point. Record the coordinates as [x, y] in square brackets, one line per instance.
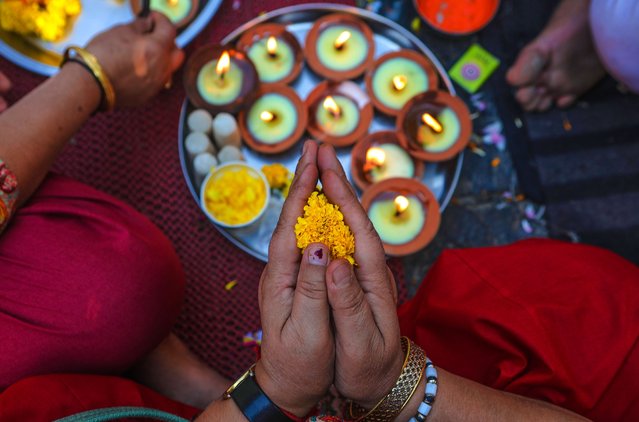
[235, 194]
[323, 222]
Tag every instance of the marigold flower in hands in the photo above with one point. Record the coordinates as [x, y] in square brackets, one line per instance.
[323, 222]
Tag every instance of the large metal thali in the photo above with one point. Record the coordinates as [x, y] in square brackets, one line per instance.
[441, 177]
[98, 15]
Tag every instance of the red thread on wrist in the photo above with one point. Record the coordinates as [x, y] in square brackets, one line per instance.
[292, 416]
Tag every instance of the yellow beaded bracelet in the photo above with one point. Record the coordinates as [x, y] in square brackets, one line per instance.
[91, 63]
[392, 404]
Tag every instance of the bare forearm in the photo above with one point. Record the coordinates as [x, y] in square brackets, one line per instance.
[221, 410]
[459, 399]
[34, 130]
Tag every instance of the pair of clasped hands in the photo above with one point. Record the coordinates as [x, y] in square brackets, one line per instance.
[326, 322]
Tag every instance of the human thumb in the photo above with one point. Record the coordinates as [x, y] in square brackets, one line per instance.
[310, 302]
[351, 312]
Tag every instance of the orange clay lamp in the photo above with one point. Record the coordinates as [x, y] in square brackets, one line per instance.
[274, 121]
[274, 51]
[404, 213]
[179, 12]
[397, 77]
[379, 156]
[219, 78]
[434, 126]
[339, 46]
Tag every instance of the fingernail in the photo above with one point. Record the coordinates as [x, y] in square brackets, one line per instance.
[342, 274]
[318, 255]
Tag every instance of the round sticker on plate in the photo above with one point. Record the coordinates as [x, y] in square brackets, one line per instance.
[470, 71]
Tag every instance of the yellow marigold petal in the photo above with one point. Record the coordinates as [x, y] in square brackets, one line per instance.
[323, 222]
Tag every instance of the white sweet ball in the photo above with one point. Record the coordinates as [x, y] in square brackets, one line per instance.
[200, 120]
[229, 153]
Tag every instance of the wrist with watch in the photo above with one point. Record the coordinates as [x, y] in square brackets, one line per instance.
[253, 402]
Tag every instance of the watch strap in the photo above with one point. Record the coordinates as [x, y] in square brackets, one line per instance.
[254, 403]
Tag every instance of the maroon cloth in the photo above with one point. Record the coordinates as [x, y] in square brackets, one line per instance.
[133, 155]
[544, 319]
[541, 318]
[88, 284]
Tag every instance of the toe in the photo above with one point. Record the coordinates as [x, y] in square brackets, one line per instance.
[566, 100]
[525, 95]
[544, 103]
[528, 67]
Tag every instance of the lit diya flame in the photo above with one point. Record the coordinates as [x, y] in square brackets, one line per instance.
[375, 157]
[399, 82]
[331, 106]
[267, 116]
[223, 64]
[401, 204]
[271, 46]
[341, 39]
[432, 123]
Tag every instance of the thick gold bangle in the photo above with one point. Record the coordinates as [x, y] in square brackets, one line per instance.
[91, 62]
[390, 406]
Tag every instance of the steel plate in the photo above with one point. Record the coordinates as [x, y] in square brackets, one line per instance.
[441, 178]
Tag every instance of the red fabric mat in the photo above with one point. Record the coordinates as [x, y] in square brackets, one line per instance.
[133, 155]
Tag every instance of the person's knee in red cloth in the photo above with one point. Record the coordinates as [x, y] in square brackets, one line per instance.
[50, 397]
[88, 284]
[540, 318]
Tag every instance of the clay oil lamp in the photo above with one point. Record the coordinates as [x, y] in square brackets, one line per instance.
[434, 126]
[274, 51]
[379, 156]
[219, 79]
[339, 113]
[274, 120]
[404, 213]
[339, 46]
[179, 12]
[397, 77]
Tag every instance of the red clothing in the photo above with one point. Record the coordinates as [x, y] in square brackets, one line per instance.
[87, 284]
[540, 318]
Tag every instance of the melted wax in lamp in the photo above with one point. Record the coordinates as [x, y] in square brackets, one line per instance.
[388, 160]
[274, 59]
[397, 221]
[439, 133]
[341, 47]
[272, 118]
[397, 80]
[220, 82]
[175, 10]
[338, 115]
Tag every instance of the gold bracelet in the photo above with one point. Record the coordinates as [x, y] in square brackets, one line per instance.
[392, 404]
[91, 62]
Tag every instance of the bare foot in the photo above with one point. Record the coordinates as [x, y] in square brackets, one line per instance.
[560, 64]
[171, 369]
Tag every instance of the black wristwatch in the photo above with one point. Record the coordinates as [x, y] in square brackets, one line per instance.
[252, 401]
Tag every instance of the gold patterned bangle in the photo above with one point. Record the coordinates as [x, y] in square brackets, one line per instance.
[392, 404]
[91, 62]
